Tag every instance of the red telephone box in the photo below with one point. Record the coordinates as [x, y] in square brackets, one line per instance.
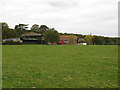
[62, 42]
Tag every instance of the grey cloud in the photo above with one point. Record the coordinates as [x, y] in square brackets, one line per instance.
[72, 16]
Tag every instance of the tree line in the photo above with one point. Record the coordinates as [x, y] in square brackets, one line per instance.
[52, 35]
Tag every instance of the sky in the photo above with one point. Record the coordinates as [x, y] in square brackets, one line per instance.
[98, 17]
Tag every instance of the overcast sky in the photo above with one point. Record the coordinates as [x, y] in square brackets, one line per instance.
[99, 17]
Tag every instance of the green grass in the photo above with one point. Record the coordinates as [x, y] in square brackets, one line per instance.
[42, 66]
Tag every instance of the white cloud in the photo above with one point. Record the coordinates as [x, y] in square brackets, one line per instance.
[76, 16]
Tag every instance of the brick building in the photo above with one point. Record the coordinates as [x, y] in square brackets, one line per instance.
[68, 39]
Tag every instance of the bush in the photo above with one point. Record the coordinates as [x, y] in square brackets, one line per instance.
[11, 42]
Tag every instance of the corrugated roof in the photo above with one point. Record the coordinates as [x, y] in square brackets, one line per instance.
[31, 34]
[66, 37]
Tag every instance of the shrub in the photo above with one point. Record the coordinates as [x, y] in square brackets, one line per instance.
[11, 42]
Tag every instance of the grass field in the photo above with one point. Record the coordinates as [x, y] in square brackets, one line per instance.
[41, 66]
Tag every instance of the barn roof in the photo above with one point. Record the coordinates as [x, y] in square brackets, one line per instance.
[31, 34]
[66, 37]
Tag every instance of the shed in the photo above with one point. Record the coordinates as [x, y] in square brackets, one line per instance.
[32, 38]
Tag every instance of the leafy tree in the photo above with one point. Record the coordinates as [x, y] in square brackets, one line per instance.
[108, 41]
[118, 41]
[51, 35]
[35, 28]
[89, 39]
[5, 25]
[98, 40]
[111, 42]
[43, 28]
[21, 27]
[81, 40]
[80, 36]
[6, 33]
[115, 41]
[101, 40]
[65, 34]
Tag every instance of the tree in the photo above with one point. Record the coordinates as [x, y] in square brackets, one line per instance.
[115, 40]
[101, 40]
[108, 41]
[81, 40]
[6, 33]
[80, 36]
[51, 36]
[89, 39]
[111, 42]
[35, 28]
[118, 41]
[43, 28]
[21, 27]
[5, 25]
[98, 40]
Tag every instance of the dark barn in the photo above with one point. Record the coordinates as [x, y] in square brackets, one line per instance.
[33, 38]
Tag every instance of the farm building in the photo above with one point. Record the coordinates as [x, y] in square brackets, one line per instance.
[68, 39]
[36, 38]
[33, 38]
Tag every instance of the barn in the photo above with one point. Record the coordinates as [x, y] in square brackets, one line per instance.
[33, 38]
[68, 39]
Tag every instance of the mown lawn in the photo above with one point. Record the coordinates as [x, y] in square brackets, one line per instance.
[51, 66]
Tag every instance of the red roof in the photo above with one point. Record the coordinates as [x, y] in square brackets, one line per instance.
[67, 37]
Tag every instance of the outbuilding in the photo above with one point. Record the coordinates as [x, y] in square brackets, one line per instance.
[33, 38]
